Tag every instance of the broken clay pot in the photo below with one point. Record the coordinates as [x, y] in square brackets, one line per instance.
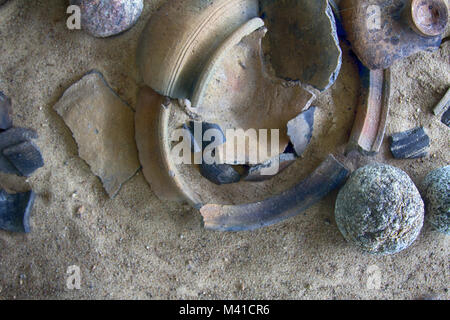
[380, 30]
[180, 37]
[302, 42]
[235, 91]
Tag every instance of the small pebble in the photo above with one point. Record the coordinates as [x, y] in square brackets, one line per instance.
[105, 18]
[380, 209]
[81, 210]
[436, 187]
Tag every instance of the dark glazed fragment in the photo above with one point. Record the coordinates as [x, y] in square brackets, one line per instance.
[302, 41]
[387, 36]
[411, 144]
[330, 175]
[25, 156]
[370, 123]
[14, 137]
[5, 112]
[220, 173]
[15, 211]
[446, 118]
[216, 173]
[258, 173]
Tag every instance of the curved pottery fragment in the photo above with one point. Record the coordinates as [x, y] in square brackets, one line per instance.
[152, 139]
[180, 37]
[330, 175]
[302, 41]
[370, 123]
[236, 92]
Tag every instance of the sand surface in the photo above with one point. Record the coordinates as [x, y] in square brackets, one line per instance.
[139, 247]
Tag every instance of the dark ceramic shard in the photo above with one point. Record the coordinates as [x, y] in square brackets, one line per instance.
[300, 130]
[443, 105]
[198, 131]
[262, 172]
[25, 156]
[15, 211]
[5, 112]
[446, 118]
[220, 173]
[411, 144]
[9, 138]
[104, 18]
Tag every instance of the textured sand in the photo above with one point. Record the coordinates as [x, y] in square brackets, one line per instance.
[136, 246]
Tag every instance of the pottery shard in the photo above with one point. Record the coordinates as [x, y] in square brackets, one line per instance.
[15, 211]
[5, 112]
[25, 156]
[270, 168]
[104, 18]
[411, 144]
[302, 41]
[300, 130]
[13, 159]
[103, 127]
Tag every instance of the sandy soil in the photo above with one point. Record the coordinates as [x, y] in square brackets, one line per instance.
[138, 247]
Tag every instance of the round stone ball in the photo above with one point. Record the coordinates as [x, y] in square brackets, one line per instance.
[380, 209]
[105, 18]
[436, 191]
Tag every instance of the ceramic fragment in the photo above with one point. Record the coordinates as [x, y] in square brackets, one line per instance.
[410, 144]
[300, 130]
[15, 211]
[103, 127]
[302, 42]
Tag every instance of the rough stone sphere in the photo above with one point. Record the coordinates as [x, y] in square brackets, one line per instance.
[104, 18]
[380, 209]
[436, 187]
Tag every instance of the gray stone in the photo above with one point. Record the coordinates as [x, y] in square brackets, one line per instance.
[103, 127]
[380, 209]
[104, 18]
[436, 188]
